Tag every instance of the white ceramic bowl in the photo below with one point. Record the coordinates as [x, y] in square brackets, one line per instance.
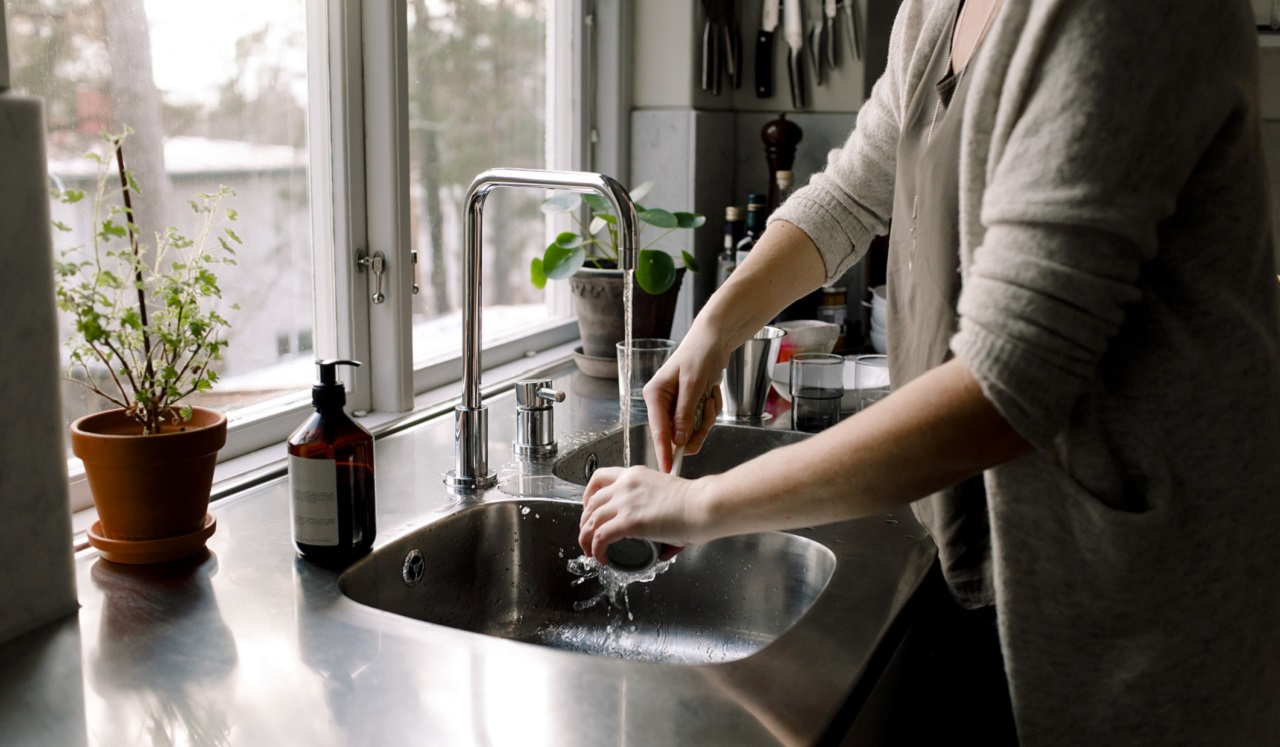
[807, 336]
[878, 341]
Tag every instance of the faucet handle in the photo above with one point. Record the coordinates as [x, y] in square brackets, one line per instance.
[535, 418]
[537, 394]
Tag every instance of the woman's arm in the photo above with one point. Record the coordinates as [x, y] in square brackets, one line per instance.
[934, 432]
[783, 266]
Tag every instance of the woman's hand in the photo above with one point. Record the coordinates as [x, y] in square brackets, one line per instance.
[639, 502]
[689, 378]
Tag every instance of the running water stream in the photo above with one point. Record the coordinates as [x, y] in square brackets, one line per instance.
[624, 367]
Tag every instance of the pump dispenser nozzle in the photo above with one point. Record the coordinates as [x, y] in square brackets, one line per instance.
[328, 392]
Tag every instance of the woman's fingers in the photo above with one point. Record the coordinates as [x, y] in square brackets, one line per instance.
[711, 406]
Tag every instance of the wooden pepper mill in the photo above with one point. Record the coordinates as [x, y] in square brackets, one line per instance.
[780, 136]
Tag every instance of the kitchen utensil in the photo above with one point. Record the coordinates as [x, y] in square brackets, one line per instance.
[732, 43]
[848, 12]
[829, 29]
[678, 460]
[817, 53]
[745, 383]
[764, 48]
[793, 32]
[712, 46]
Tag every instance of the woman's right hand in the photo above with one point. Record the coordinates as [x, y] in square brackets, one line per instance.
[690, 376]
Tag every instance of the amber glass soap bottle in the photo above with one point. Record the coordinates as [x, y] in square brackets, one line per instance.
[331, 477]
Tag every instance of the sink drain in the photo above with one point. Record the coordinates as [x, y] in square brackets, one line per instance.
[414, 566]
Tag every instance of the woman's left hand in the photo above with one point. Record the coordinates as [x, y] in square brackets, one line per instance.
[642, 503]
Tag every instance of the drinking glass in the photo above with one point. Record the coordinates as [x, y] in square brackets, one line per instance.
[646, 356]
[817, 384]
[870, 378]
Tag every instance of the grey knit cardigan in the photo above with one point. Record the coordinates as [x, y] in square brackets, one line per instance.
[1120, 310]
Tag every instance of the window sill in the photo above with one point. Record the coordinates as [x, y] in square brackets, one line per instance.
[268, 462]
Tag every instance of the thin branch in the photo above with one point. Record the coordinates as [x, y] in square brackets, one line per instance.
[137, 256]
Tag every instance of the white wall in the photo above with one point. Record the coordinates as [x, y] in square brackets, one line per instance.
[37, 582]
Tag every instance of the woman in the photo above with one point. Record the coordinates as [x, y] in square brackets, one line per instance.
[1114, 376]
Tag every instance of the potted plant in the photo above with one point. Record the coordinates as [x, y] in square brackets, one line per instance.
[589, 259]
[145, 336]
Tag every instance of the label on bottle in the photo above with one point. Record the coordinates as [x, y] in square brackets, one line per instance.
[313, 485]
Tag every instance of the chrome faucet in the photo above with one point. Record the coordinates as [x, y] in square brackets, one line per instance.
[471, 418]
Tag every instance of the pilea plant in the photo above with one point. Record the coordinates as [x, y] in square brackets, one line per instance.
[596, 243]
[145, 313]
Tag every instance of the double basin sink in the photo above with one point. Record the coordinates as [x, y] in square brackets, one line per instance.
[502, 568]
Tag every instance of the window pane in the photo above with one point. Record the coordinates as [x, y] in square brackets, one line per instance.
[215, 94]
[477, 92]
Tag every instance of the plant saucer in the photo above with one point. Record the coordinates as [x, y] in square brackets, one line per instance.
[142, 552]
[600, 368]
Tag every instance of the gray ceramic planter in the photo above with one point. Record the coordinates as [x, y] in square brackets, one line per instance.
[597, 299]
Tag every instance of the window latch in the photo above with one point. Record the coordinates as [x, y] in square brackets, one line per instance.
[376, 265]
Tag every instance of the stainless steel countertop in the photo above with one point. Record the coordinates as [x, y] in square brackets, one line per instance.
[250, 645]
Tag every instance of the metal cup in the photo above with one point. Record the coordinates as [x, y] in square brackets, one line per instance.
[745, 384]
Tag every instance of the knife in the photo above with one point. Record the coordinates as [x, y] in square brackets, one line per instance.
[793, 32]
[764, 49]
[833, 50]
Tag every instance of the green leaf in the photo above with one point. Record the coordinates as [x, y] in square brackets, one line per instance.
[72, 196]
[536, 274]
[607, 218]
[596, 202]
[559, 262]
[659, 217]
[640, 191]
[689, 261]
[656, 271]
[111, 229]
[568, 240]
[563, 202]
[691, 220]
[59, 225]
[233, 235]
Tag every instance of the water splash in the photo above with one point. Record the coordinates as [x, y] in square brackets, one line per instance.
[613, 582]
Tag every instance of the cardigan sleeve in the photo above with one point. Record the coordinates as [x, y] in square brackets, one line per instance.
[1108, 115]
[850, 202]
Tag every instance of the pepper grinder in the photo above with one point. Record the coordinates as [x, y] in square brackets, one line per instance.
[780, 136]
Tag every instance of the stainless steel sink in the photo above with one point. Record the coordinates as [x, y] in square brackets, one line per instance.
[726, 447]
[501, 569]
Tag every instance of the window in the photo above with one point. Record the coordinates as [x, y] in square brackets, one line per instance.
[346, 129]
[455, 50]
[215, 94]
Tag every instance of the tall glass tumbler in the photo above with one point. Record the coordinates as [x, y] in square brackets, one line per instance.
[638, 364]
[817, 384]
[870, 379]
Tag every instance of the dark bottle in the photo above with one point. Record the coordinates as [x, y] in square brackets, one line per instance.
[753, 228]
[728, 257]
[331, 477]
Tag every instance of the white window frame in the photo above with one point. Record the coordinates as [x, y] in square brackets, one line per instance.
[359, 179]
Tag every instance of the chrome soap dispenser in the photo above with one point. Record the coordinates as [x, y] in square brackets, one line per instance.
[331, 477]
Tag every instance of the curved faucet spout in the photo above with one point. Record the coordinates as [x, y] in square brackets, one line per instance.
[471, 448]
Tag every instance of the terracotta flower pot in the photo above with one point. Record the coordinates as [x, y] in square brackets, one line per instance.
[597, 299]
[150, 488]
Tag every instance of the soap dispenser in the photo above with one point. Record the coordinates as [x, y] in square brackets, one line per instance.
[331, 477]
